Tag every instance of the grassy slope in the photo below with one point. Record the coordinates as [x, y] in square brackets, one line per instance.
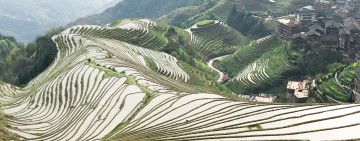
[277, 60]
[329, 86]
[217, 39]
[246, 55]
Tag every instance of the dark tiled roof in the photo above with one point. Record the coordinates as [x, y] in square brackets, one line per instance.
[316, 27]
[299, 35]
[344, 31]
[351, 24]
[332, 23]
[329, 38]
[313, 32]
[356, 15]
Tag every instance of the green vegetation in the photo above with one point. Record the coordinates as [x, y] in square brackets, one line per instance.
[19, 63]
[268, 73]
[181, 15]
[246, 55]
[108, 72]
[151, 64]
[137, 9]
[332, 89]
[205, 23]
[215, 40]
[339, 90]
[258, 7]
[246, 24]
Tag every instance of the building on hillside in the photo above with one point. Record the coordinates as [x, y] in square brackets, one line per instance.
[356, 16]
[299, 39]
[353, 26]
[304, 15]
[299, 89]
[265, 98]
[316, 27]
[224, 79]
[344, 38]
[356, 91]
[287, 27]
[313, 36]
[332, 28]
[330, 41]
[322, 4]
[352, 5]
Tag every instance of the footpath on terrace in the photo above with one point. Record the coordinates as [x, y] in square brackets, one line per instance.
[211, 63]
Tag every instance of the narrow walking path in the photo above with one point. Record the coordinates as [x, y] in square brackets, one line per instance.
[211, 63]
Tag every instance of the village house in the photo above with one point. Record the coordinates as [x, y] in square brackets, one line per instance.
[323, 4]
[313, 36]
[299, 89]
[266, 98]
[344, 39]
[287, 28]
[299, 38]
[348, 8]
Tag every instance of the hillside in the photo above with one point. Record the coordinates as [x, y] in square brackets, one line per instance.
[38, 16]
[102, 86]
[144, 9]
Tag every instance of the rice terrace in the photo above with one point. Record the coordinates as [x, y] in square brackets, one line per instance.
[233, 70]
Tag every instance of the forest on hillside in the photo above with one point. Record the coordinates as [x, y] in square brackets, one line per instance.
[20, 63]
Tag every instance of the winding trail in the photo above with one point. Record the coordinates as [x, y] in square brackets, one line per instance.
[211, 63]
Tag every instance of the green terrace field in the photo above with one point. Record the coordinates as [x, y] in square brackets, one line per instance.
[259, 7]
[205, 23]
[147, 33]
[263, 72]
[215, 39]
[334, 90]
[246, 55]
[339, 85]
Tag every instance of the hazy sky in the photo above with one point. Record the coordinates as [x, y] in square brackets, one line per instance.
[39, 15]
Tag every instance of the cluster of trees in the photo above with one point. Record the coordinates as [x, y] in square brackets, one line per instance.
[247, 24]
[20, 63]
[178, 47]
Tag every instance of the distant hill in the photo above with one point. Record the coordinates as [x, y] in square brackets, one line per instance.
[27, 19]
[152, 9]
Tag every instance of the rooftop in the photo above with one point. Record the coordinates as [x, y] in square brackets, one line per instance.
[316, 27]
[330, 38]
[264, 99]
[351, 24]
[299, 35]
[344, 31]
[332, 23]
[287, 21]
[301, 88]
[313, 32]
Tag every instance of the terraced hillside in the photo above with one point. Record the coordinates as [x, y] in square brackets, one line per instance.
[225, 41]
[259, 7]
[338, 86]
[246, 55]
[100, 88]
[255, 65]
